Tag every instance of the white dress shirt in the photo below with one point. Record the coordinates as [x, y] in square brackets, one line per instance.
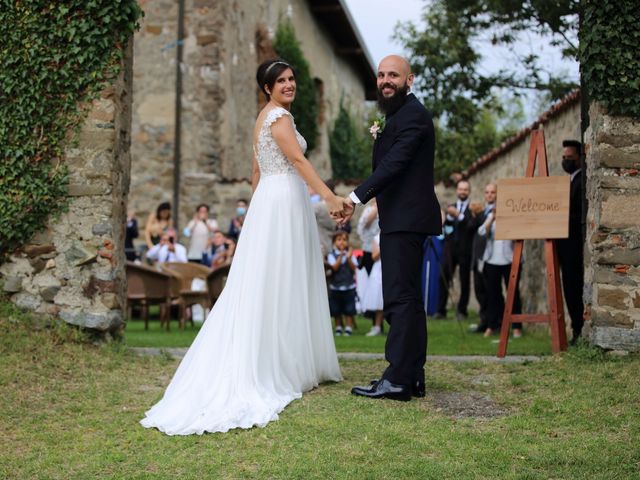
[461, 206]
[161, 253]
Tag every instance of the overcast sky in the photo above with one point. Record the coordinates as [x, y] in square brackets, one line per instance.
[376, 20]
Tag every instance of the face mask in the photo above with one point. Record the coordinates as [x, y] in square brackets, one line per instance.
[569, 165]
[241, 211]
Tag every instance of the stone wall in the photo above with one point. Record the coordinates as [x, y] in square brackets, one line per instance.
[510, 162]
[612, 254]
[153, 111]
[74, 269]
[219, 101]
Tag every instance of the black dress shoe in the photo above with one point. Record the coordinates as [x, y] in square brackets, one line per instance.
[384, 389]
[417, 388]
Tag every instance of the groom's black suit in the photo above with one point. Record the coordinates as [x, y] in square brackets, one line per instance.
[402, 182]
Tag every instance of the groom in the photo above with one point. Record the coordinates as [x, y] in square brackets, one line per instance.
[402, 182]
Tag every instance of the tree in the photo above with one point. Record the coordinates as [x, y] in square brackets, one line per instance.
[349, 146]
[305, 109]
[445, 57]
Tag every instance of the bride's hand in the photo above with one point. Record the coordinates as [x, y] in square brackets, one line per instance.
[335, 206]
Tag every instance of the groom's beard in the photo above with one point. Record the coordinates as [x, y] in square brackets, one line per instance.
[389, 105]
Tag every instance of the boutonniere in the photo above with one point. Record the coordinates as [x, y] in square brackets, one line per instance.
[377, 127]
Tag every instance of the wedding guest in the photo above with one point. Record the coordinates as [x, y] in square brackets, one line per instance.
[326, 225]
[367, 229]
[199, 230]
[342, 285]
[458, 244]
[222, 250]
[130, 233]
[372, 299]
[479, 244]
[570, 250]
[496, 268]
[157, 223]
[236, 223]
[168, 250]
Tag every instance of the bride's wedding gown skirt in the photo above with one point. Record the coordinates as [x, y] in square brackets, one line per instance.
[269, 336]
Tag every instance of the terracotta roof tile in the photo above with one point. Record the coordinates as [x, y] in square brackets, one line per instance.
[556, 109]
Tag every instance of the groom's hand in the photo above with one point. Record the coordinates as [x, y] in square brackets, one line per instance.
[347, 211]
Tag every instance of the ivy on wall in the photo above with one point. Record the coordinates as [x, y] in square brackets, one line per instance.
[350, 146]
[610, 54]
[55, 57]
[305, 107]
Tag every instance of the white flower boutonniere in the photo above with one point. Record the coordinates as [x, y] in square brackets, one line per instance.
[377, 127]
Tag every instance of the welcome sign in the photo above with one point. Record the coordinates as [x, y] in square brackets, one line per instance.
[532, 207]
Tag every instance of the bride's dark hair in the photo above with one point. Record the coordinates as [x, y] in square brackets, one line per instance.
[269, 71]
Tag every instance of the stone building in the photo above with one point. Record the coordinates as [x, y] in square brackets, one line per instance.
[74, 268]
[509, 160]
[223, 42]
[612, 250]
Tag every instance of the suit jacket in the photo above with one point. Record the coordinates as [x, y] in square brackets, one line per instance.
[463, 232]
[573, 246]
[479, 241]
[402, 178]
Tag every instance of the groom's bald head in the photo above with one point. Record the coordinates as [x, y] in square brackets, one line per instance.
[395, 62]
[394, 81]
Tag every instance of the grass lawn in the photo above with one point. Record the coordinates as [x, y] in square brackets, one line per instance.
[70, 411]
[446, 337]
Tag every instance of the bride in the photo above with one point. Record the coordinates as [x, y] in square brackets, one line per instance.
[268, 338]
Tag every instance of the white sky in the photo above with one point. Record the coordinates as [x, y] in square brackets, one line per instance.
[376, 20]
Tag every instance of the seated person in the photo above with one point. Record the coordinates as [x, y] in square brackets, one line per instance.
[168, 250]
[222, 249]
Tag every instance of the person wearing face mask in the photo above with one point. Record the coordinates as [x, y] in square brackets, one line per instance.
[236, 223]
[570, 250]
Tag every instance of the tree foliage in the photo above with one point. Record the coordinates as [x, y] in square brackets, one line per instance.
[350, 146]
[305, 109]
[445, 57]
[54, 58]
[610, 56]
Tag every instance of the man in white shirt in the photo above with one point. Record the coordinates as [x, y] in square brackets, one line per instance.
[168, 250]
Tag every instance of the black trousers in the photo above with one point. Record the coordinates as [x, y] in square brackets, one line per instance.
[480, 290]
[367, 261]
[494, 277]
[450, 262]
[572, 267]
[445, 278]
[463, 262]
[406, 347]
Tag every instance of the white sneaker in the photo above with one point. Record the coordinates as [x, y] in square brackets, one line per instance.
[374, 332]
[347, 332]
[338, 331]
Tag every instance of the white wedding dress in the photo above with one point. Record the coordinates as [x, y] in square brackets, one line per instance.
[268, 338]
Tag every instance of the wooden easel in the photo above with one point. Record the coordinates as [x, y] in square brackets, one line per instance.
[555, 317]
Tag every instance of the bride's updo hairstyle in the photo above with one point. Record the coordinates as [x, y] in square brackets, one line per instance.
[269, 71]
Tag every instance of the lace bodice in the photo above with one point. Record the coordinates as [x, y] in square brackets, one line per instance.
[270, 158]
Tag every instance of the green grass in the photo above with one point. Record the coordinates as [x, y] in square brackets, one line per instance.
[70, 411]
[445, 337]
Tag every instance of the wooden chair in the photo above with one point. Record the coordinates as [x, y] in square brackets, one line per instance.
[186, 272]
[216, 282]
[146, 286]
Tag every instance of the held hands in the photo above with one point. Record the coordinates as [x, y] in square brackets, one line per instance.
[340, 209]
